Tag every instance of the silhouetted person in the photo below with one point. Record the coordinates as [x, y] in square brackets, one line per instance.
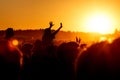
[67, 53]
[27, 54]
[101, 61]
[43, 65]
[27, 50]
[10, 58]
[48, 35]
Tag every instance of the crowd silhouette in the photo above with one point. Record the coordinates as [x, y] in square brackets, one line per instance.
[42, 60]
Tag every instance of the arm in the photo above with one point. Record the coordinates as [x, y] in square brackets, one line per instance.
[58, 29]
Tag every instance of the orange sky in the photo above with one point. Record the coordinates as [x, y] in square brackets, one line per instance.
[36, 14]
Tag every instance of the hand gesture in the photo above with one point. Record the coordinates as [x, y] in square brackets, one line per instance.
[51, 23]
[61, 25]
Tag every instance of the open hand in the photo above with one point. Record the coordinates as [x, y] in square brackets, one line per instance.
[61, 25]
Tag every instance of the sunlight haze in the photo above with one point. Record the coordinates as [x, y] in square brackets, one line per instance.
[76, 15]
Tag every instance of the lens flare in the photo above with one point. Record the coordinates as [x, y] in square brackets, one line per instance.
[15, 42]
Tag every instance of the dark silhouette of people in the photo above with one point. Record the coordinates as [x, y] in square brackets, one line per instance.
[67, 53]
[10, 57]
[27, 54]
[43, 65]
[101, 61]
[48, 35]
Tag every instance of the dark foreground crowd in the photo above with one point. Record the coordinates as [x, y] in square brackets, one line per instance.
[68, 61]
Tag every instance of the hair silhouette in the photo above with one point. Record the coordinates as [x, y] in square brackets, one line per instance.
[9, 33]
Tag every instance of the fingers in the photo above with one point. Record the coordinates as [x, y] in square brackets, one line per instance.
[60, 24]
[51, 24]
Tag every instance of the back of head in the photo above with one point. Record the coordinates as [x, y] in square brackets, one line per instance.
[95, 62]
[9, 33]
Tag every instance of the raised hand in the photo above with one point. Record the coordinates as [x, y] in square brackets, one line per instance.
[61, 25]
[58, 29]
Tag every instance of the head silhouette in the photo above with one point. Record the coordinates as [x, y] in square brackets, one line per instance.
[51, 24]
[9, 33]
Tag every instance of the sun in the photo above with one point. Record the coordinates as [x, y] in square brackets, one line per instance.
[100, 23]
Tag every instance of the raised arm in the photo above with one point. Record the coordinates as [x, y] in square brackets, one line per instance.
[54, 33]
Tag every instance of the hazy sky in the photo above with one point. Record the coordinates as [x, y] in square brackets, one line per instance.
[36, 14]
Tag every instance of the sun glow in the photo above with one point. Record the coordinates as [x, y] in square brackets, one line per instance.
[104, 38]
[100, 23]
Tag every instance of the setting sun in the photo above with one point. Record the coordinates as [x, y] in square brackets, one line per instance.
[100, 23]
